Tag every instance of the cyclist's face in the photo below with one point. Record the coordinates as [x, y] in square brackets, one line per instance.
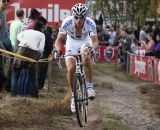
[79, 20]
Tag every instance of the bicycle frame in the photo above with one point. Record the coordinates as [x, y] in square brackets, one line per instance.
[79, 65]
[80, 91]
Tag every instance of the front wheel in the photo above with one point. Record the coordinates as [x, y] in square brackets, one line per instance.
[80, 99]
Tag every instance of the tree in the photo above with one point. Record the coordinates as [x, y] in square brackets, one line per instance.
[123, 11]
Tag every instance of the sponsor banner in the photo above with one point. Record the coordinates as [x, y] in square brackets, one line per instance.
[109, 54]
[140, 51]
[103, 54]
[141, 67]
[53, 10]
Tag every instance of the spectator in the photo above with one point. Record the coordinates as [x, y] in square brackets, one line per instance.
[126, 46]
[15, 27]
[28, 24]
[157, 48]
[137, 32]
[127, 40]
[5, 42]
[33, 17]
[31, 45]
[112, 36]
[100, 21]
[95, 20]
[143, 35]
[104, 36]
[149, 47]
[156, 32]
[43, 67]
[134, 46]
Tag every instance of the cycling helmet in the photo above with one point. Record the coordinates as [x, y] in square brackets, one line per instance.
[79, 9]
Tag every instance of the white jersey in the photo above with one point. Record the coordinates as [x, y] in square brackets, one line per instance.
[33, 39]
[68, 27]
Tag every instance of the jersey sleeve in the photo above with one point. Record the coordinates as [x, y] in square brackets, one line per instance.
[93, 29]
[64, 26]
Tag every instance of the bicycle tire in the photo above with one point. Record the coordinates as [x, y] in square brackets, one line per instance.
[85, 98]
[80, 105]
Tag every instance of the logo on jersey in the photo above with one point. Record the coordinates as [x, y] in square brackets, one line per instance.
[67, 24]
[91, 24]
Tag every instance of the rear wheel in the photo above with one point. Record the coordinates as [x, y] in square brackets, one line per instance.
[80, 100]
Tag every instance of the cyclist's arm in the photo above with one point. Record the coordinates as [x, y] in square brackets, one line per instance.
[59, 40]
[94, 41]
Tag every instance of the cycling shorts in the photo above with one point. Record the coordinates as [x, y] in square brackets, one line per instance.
[73, 45]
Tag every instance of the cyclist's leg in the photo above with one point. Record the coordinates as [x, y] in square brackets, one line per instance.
[72, 47]
[70, 64]
[88, 67]
[89, 73]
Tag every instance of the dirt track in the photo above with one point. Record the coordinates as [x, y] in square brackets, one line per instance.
[118, 104]
[127, 101]
[124, 100]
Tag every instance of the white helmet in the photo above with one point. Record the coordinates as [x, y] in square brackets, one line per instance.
[79, 9]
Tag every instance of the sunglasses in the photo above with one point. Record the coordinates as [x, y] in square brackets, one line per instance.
[4, 1]
[79, 17]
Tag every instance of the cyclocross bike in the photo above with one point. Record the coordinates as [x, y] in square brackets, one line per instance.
[81, 98]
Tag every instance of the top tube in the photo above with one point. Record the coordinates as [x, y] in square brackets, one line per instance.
[79, 54]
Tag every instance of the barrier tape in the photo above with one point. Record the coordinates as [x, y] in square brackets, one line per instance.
[24, 57]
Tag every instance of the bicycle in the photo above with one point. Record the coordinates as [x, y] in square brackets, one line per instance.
[81, 98]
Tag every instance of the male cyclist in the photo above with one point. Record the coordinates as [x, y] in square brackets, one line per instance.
[80, 31]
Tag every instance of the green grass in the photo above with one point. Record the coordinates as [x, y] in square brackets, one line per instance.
[113, 70]
[113, 116]
[112, 125]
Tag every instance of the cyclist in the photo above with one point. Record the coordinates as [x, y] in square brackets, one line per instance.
[80, 31]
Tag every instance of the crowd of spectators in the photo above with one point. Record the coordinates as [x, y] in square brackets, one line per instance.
[139, 40]
[31, 37]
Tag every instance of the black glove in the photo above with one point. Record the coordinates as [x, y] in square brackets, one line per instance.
[57, 54]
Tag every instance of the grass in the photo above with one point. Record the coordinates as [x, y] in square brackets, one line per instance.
[113, 125]
[30, 113]
[152, 92]
[112, 70]
[24, 112]
[112, 122]
[103, 84]
[113, 116]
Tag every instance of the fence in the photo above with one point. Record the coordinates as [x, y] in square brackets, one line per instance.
[104, 54]
[146, 68]
[142, 67]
